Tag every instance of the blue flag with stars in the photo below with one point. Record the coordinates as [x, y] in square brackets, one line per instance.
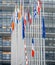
[43, 28]
[23, 29]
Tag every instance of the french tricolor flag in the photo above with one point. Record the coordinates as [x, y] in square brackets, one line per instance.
[33, 51]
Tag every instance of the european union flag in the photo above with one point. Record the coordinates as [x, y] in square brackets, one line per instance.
[43, 28]
[23, 29]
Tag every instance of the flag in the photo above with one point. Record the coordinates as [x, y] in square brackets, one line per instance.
[23, 29]
[14, 19]
[19, 15]
[25, 20]
[12, 25]
[30, 21]
[43, 28]
[35, 11]
[33, 51]
[39, 7]
[29, 18]
[20, 12]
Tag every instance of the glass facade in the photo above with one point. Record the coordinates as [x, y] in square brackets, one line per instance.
[6, 9]
[50, 32]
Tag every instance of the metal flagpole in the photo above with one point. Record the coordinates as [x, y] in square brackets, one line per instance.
[43, 38]
[14, 45]
[38, 40]
[16, 33]
[25, 49]
[30, 35]
[13, 41]
[33, 37]
[16, 24]
[32, 30]
[22, 22]
[13, 48]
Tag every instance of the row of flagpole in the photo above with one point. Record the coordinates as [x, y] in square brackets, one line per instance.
[41, 43]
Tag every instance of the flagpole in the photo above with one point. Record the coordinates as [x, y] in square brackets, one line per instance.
[35, 32]
[40, 39]
[38, 36]
[16, 19]
[20, 4]
[16, 34]
[25, 49]
[34, 37]
[43, 38]
[30, 39]
[37, 42]
[32, 31]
